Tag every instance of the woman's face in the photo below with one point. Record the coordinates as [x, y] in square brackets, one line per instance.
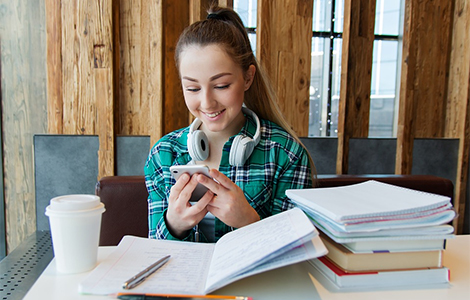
[213, 88]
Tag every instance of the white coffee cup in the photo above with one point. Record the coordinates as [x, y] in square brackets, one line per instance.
[75, 222]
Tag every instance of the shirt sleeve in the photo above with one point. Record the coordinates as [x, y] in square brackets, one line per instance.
[159, 190]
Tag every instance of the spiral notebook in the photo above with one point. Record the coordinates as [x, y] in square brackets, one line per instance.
[369, 200]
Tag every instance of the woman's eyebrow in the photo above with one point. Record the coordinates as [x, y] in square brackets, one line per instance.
[217, 76]
[189, 78]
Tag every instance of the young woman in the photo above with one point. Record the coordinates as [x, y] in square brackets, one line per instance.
[239, 132]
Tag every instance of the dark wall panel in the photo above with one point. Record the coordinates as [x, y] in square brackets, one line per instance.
[323, 152]
[436, 157]
[64, 164]
[131, 154]
[372, 156]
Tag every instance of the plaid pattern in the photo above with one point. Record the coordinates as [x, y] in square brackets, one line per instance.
[277, 163]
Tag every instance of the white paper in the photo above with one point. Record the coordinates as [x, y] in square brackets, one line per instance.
[184, 273]
[364, 200]
[250, 246]
[238, 253]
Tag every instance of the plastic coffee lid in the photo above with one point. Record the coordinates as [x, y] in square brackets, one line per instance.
[75, 203]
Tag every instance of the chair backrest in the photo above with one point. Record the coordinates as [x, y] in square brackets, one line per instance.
[125, 199]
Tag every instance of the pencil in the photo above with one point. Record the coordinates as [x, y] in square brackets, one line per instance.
[130, 296]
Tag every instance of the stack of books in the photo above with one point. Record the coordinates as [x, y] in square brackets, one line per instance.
[379, 235]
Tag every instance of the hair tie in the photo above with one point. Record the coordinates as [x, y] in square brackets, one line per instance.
[213, 16]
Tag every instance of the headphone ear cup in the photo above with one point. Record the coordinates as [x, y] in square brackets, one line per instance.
[198, 145]
[242, 147]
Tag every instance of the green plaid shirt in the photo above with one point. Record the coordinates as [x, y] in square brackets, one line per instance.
[277, 163]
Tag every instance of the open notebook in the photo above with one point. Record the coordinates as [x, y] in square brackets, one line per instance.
[198, 268]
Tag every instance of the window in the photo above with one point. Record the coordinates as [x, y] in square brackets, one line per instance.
[385, 66]
[327, 26]
[247, 10]
[325, 77]
[326, 68]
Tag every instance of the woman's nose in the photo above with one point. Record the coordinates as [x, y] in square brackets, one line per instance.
[207, 98]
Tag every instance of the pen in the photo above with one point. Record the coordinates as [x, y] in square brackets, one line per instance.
[141, 276]
[126, 296]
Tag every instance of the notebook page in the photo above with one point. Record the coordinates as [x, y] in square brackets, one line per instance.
[252, 245]
[366, 199]
[184, 273]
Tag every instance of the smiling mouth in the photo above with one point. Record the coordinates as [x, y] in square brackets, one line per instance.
[215, 114]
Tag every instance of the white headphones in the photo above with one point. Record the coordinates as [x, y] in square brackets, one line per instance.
[242, 146]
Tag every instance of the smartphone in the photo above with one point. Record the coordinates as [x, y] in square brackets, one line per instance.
[200, 190]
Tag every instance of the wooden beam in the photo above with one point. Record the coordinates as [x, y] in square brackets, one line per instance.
[433, 38]
[407, 105]
[175, 20]
[152, 73]
[24, 101]
[424, 78]
[458, 104]
[356, 70]
[134, 32]
[104, 87]
[105, 121]
[284, 41]
[54, 66]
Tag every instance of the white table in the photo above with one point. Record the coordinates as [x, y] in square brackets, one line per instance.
[299, 281]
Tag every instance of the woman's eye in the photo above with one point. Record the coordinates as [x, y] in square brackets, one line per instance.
[192, 89]
[222, 87]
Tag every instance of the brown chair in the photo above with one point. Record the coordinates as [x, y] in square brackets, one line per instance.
[125, 199]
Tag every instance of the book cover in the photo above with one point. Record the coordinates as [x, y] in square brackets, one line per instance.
[381, 260]
[396, 245]
[382, 278]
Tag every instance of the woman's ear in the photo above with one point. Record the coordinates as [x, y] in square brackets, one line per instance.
[249, 76]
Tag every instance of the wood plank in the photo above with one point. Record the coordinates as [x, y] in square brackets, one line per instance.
[356, 70]
[175, 19]
[424, 78]
[407, 108]
[283, 49]
[24, 102]
[140, 80]
[105, 121]
[154, 61]
[54, 66]
[458, 104]
[131, 113]
[433, 40]
[78, 21]
[104, 88]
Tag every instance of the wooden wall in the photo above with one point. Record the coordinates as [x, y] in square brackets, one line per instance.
[283, 49]
[110, 71]
[23, 88]
[457, 99]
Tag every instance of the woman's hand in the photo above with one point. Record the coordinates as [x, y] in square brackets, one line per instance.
[228, 202]
[181, 216]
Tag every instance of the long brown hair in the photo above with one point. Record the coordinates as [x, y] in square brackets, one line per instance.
[223, 27]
